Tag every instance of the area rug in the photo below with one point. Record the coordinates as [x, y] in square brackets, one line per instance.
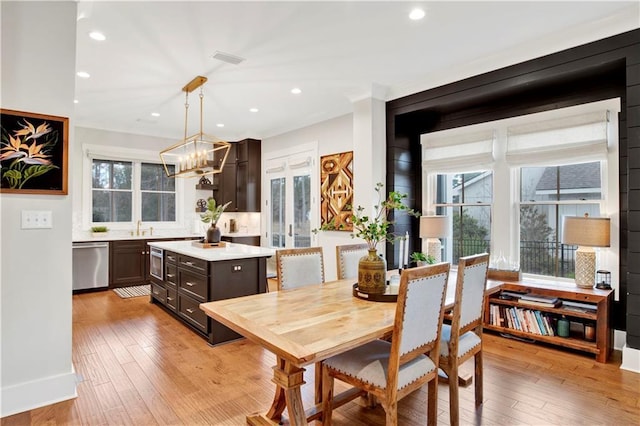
[135, 291]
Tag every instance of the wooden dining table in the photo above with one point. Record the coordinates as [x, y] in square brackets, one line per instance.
[303, 326]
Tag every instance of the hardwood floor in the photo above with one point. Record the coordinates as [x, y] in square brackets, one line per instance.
[137, 365]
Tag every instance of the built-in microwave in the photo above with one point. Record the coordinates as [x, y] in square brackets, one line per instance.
[156, 263]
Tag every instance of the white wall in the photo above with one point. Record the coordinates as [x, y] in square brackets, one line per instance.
[361, 132]
[38, 75]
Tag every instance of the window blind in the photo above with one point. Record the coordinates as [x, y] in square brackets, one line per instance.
[470, 151]
[578, 137]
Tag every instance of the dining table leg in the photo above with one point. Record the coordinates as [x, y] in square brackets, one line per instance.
[288, 379]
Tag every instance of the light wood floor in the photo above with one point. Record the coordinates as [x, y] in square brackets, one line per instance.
[139, 366]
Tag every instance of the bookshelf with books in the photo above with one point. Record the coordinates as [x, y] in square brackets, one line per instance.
[536, 311]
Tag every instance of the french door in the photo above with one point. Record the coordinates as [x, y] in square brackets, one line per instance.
[291, 203]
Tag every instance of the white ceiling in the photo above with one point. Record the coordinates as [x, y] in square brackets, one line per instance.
[335, 52]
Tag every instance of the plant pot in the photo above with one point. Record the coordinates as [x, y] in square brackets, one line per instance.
[421, 263]
[213, 234]
[372, 273]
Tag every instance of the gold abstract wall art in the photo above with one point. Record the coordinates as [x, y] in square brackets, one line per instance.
[336, 178]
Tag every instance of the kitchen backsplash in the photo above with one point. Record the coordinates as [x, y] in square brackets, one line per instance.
[246, 223]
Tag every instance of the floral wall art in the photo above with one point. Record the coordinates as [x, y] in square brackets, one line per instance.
[33, 153]
[336, 188]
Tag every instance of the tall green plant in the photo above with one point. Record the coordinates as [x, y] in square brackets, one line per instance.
[375, 229]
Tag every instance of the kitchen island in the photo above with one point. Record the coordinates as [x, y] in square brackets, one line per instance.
[190, 275]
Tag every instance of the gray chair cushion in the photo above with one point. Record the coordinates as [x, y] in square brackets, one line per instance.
[466, 342]
[370, 362]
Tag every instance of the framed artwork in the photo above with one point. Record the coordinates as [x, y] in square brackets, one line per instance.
[336, 190]
[33, 153]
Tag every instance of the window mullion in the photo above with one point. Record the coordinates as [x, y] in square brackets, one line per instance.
[137, 192]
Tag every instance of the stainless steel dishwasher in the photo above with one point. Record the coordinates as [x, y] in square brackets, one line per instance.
[90, 265]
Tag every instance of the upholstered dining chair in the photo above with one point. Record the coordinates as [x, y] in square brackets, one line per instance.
[462, 339]
[299, 267]
[347, 258]
[391, 370]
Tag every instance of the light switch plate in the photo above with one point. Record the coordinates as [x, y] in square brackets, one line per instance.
[37, 219]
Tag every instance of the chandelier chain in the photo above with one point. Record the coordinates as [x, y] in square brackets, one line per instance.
[201, 103]
[186, 113]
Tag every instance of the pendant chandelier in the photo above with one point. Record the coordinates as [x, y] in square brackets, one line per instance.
[196, 155]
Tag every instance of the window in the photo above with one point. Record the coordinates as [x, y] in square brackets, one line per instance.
[121, 189]
[158, 193]
[466, 198]
[112, 194]
[507, 184]
[546, 195]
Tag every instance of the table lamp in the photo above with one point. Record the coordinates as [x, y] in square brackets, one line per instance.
[586, 232]
[433, 228]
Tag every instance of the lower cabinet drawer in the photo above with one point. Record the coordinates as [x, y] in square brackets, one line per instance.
[171, 275]
[159, 293]
[199, 266]
[195, 285]
[189, 309]
[172, 299]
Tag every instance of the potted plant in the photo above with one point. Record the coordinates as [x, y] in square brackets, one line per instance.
[98, 231]
[372, 269]
[211, 215]
[422, 259]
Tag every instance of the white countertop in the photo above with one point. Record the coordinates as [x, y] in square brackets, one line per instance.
[126, 235]
[229, 252]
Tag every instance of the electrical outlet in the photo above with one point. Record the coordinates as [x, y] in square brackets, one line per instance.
[37, 219]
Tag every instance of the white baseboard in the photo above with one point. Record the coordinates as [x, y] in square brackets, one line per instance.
[38, 393]
[630, 359]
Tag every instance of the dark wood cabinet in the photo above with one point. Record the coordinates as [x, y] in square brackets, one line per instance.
[190, 281]
[248, 175]
[128, 263]
[253, 240]
[239, 181]
[227, 187]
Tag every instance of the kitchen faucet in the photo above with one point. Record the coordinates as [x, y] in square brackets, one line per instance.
[138, 228]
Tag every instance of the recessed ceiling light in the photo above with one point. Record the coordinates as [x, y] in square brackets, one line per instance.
[83, 74]
[220, 125]
[416, 14]
[97, 35]
[75, 101]
[253, 109]
[296, 91]
[155, 114]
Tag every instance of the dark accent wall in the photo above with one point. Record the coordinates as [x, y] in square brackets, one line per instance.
[600, 70]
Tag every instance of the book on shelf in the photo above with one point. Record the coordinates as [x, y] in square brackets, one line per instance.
[579, 306]
[521, 319]
[540, 322]
[534, 322]
[555, 304]
[531, 299]
[538, 298]
[511, 294]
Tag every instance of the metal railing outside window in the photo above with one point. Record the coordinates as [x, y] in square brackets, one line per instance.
[536, 257]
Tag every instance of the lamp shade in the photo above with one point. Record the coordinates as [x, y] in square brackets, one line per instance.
[433, 227]
[586, 231]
